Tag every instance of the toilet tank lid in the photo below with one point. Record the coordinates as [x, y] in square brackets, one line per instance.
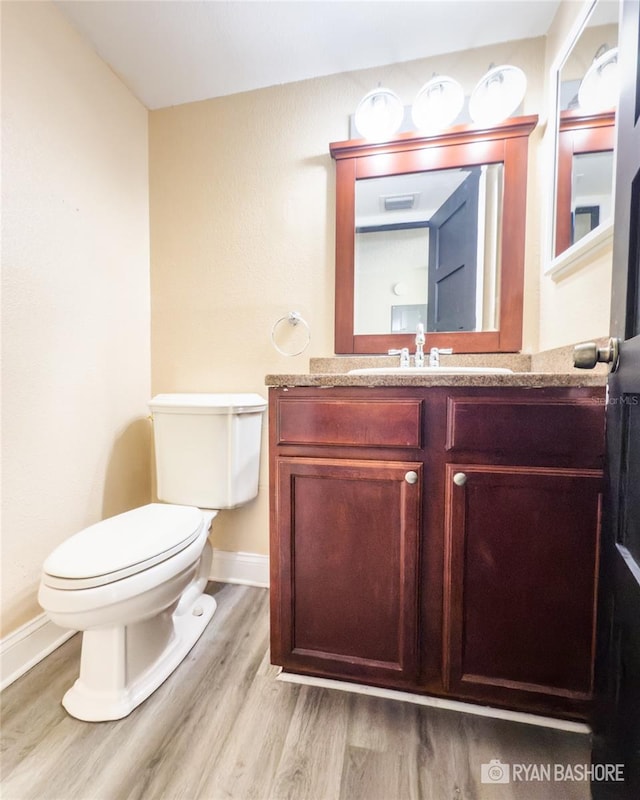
[214, 403]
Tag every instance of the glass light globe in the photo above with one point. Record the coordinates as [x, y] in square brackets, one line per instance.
[600, 87]
[497, 95]
[379, 115]
[437, 104]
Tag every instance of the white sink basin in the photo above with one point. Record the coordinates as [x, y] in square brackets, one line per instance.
[432, 371]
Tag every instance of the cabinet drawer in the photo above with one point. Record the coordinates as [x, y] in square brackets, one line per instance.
[357, 423]
[547, 428]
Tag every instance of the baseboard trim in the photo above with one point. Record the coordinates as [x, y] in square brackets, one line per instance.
[437, 702]
[251, 569]
[27, 646]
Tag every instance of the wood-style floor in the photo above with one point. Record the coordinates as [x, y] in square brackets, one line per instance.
[222, 727]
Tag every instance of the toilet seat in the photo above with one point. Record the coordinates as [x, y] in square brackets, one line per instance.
[121, 546]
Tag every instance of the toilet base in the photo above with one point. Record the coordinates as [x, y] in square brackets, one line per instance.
[121, 666]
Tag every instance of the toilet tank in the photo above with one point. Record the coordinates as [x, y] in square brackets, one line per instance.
[207, 448]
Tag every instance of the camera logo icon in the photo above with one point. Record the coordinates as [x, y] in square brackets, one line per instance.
[494, 772]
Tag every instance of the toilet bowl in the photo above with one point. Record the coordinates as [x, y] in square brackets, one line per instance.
[141, 610]
[134, 583]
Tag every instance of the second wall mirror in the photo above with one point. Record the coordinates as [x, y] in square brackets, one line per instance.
[584, 122]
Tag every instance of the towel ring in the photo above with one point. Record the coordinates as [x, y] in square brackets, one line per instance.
[293, 318]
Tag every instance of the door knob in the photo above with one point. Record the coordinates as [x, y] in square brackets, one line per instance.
[587, 355]
[411, 477]
[459, 479]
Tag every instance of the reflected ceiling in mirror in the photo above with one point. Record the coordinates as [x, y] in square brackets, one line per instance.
[426, 251]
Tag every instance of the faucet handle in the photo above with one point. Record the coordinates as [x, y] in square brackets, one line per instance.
[404, 356]
[436, 352]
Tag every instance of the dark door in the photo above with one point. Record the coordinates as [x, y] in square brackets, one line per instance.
[617, 714]
[453, 255]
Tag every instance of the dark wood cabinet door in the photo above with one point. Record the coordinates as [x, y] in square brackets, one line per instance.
[348, 553]
[520, 582]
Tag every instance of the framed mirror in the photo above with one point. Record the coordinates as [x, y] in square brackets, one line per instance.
[431, 230]
[584, 129]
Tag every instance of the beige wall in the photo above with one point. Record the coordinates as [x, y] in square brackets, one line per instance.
[576, 307]
[242, 231]
[75, 296]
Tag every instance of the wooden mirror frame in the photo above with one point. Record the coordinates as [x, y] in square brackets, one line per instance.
[578, 134]
[460, 146]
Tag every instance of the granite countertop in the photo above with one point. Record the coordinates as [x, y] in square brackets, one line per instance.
[548, 369]
[522, 379]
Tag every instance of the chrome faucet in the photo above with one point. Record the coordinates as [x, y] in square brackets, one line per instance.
[434, 355]
[419, 358]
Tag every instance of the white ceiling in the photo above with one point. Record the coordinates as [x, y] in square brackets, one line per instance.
[170, 52]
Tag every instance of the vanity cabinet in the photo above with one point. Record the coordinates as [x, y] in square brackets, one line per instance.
[346, 497]
[440, 540]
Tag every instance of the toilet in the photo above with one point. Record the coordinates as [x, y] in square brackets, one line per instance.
[134, 583]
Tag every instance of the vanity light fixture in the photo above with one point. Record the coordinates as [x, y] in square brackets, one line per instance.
[600, 86]
[437, 104]
[379, 115]
[497, 95]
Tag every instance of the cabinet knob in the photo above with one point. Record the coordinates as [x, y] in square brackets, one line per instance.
[411, 477]
[459, 479]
